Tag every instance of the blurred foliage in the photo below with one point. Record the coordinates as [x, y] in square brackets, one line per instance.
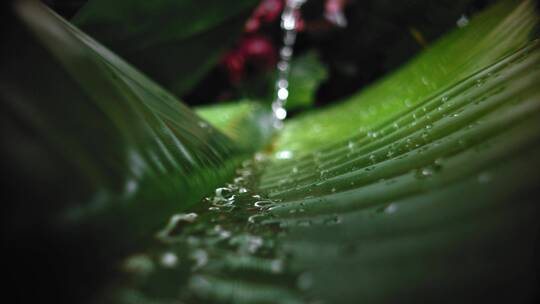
[237, 120]
[174, 42]
[307, 72]
[385, 33]
[379, 37]
[106, 152]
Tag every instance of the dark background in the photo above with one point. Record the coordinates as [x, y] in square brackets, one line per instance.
[378, 38]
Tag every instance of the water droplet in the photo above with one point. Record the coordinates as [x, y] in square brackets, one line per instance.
[333, 220]
[175, 225]
[408, 103]
[224, 192]
[200, 257]
[239, 180]
[219, 232]
[169, 259]
[288, 22]
[284, 154]
[246, 243]
[130, 188]
[283, 93]
[324, 174]
[283, 66]
[372, 134]
[428, 171]
[264, 204]
[276, 266]
[463, 21]
[391, 208]
[280, 113]
[286, 52]
[139, 263]
[257, 218]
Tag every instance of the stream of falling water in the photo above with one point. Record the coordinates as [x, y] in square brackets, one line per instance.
[288, 25]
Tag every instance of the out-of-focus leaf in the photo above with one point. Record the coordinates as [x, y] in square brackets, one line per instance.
[307, 73]
[248, 123]
[173, 41]
[107, 152]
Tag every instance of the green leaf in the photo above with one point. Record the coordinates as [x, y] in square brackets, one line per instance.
[423, 188]
[232, 119]
[174, 42]
[107, 152]
[306, 74]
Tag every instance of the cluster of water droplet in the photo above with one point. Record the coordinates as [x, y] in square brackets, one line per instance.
[223, 233]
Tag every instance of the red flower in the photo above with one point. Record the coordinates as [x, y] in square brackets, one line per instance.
[234, 64]
[257, 50]
[266, 12]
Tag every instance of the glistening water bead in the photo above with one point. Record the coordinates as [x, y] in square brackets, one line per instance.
[288, 25]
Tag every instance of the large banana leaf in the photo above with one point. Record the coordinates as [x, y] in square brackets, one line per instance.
[422, 188]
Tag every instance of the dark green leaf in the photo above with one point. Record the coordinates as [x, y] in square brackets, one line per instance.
[173, 41]
[307, 73]
[107, 152]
